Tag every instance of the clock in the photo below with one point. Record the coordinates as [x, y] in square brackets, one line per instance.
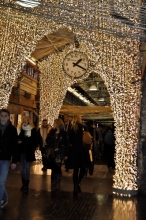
[75, 64]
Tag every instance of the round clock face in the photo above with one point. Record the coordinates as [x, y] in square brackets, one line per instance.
[75, 64]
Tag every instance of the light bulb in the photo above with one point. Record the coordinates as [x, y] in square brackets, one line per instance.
[28, 3]
[93, 87]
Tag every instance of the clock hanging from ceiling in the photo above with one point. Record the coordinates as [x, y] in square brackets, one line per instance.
[75, 64]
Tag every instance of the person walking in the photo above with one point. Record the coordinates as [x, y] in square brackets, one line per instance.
[78, 159]
[42, 134]
[93, 131]
[27, 143]
[109, 143]
[67, 127]
[57, 150]
[8, 151]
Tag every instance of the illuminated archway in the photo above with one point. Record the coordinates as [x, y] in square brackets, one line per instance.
[116, 60]
[119, 69]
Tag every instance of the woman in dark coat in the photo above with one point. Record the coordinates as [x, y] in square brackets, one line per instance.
[79, 157]
[27, 143]
[57, 150]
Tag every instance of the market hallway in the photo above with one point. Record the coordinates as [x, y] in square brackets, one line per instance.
[96, 203]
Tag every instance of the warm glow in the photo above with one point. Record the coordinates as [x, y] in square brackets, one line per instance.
[54, 82]
[28, 3]
[112, 55]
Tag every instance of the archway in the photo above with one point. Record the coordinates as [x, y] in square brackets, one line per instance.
[116, 59]
[121, 76]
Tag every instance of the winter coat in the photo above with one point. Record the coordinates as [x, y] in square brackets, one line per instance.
[28, 145]
[9, 143]
[62, 140]
[39, 137]
[78, 155]
[109, 137]
[56, 146]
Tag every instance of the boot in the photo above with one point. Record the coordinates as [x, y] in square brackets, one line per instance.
[26, 186]
[58, 181]
[23, 184]
[53, 182]
[75, 191]
[81, 176]
[79, 188]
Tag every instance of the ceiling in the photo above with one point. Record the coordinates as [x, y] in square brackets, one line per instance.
[56, 42]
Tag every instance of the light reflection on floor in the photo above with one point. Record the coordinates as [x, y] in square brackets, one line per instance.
[124, 209]
[97, 201]
[36, 169]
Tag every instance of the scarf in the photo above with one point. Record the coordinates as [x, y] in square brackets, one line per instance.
[3, 127]
[27, 130]
[44, 132]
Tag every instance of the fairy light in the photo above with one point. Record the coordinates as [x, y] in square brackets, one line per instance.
[116, 59]
[19, 35]
[54, 83]
[118, 75]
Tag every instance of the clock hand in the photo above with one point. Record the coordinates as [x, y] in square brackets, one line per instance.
[80, 67]
[75, 64]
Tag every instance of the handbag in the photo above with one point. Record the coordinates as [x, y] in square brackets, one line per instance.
[58, 159]
[55, 155]
[59, 155]
[50, 156]
[91, 163]
[87, 140]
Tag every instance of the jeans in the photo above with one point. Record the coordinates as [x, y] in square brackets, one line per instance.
[4, 169]
[24, 167]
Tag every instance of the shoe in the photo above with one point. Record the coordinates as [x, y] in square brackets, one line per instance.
[44, 169]
[79, 189]
[3, 203]
[58, 186]
[22, 188]
[26, 190]
[75, 193]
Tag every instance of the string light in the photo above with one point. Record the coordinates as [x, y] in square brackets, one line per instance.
[19, 35]
[115, 57]
[118, 69]
[54, 83]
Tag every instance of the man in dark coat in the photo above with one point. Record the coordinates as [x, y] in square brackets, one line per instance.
[42, 134]
[67, 127]
[8, 151]
[92, 130]
[109, 144]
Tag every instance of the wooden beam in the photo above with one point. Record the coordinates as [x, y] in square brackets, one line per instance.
[15, 109]
[22, 101]
[82, 110]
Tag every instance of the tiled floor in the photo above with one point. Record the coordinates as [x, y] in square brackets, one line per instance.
[96, 202]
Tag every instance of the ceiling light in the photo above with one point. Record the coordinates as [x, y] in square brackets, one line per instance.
[79, 96]
[28, 3]
[101, 100]
[31, 61]
[93, 87]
